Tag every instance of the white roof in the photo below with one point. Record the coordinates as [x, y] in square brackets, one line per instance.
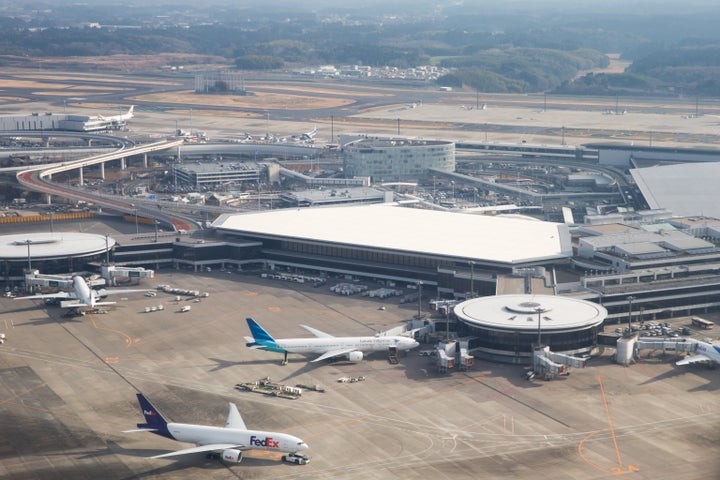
[686, 189]
[520, 313]
[52, 245]
[388, 226]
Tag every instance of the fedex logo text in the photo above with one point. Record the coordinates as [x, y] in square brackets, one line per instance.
[151, 412]
[265, 443]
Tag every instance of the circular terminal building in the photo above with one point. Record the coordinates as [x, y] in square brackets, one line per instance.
[505, 328]
[50, 253]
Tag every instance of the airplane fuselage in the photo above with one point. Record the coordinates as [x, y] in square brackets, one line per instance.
[362, 344]
[249, 439]
[83, 292]
[712, 352]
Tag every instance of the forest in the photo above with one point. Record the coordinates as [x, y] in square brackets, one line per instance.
[515, 48]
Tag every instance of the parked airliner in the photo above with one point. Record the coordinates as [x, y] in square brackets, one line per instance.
[308, 136]
[325, 344]
[704, 352]
[116, 122]
[229, 442]
[82, 294]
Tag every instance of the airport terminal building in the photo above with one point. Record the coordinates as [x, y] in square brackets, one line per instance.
[453, 252]
[386, 159]
[504, 327]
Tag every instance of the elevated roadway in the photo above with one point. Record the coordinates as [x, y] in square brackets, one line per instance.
[38, 179]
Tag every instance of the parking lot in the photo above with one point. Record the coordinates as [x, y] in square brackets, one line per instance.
[67, 391]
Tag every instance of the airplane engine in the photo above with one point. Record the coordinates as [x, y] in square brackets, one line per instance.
[232, 455]
[355, 356]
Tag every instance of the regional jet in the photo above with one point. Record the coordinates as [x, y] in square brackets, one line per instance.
[228, 442]
[704, 352]
[326, 345]
[82, 295]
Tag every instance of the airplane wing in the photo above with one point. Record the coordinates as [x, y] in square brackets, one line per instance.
[693, 359]
[234, 419]
[334, 353]
[213, 447]
[47, 295]
[102, 292]
[81, 304]
[316, 332]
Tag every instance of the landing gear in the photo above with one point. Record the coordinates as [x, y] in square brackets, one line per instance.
[284, 362]
[297, 458]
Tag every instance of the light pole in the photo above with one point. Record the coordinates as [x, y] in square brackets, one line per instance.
[28, 242]
[539, 311]
[137, 229]
[52, 231]
[419, 285]
[630, 300]
[107, 249]
[472, 279]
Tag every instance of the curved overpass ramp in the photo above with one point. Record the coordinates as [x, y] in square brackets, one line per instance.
[37, 179]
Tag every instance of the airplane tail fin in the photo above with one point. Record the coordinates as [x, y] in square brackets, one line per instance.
[259, 335]
[155, 422]
[130, 112]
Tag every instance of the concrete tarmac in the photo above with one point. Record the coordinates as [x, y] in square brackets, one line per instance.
[67, 391]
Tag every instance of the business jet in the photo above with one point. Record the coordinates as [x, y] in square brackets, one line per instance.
[228, 442]
[326, 345]
[82, 295]
[704, 352]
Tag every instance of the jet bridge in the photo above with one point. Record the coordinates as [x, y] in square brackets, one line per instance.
[451, 354]
[549, 364]
[37, 279]
[113, 272]
[628, 347]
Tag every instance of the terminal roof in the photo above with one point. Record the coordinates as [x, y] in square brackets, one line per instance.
[498, 239]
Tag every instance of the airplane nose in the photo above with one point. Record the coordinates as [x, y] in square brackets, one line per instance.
[302, 446]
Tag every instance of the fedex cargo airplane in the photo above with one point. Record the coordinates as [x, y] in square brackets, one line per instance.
[326, 345]
[82, 295]
[228, 442]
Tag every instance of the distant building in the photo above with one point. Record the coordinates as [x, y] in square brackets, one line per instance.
[213, 174]
[386, 159]
[66, 122]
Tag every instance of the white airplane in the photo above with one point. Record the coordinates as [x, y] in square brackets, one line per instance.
[117, 121]
[229, 441]
[705, 352]
[82, 295]
[309, 135]
[325, 344]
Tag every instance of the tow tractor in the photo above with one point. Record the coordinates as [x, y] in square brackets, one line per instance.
[298, 458]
